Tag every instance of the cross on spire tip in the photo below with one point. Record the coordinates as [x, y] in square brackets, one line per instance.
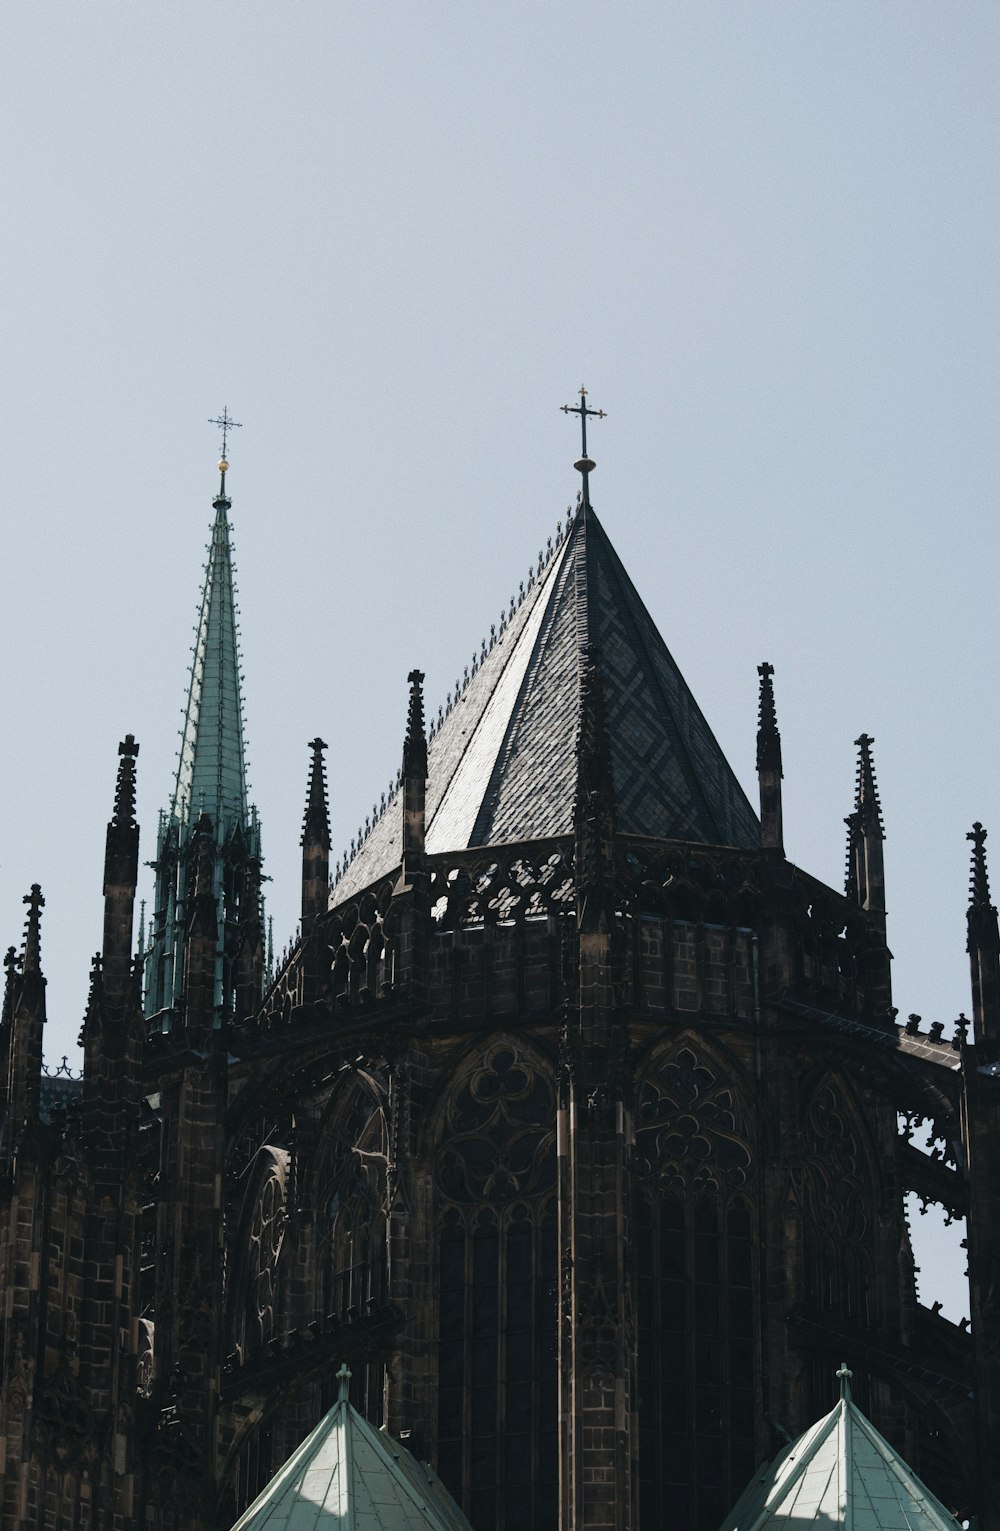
[584, 464]
[226, 424]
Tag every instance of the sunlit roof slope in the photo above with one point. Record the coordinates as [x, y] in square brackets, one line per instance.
[842, 1472]
[502, 766]
[348, 1475]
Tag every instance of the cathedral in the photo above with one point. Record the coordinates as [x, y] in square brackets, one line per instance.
[553, 1171]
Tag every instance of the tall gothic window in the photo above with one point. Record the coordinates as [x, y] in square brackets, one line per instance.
[355, 1263]
[256, 1298]
[495, 1174]
[838, 1225]
[694, 1243]
[264, 1219]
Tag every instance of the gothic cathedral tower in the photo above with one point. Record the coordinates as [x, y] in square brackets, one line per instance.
[577, 1120]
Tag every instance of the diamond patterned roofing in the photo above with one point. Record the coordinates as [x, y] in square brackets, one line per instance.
[502, 768]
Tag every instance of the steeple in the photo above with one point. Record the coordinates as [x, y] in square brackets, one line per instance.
[211, 770]
[983, 947]
[210, 784]
[769, 772]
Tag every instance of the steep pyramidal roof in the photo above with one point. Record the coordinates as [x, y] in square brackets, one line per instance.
[503, 765]
[842, 1472]
[347, 1475]
[211, 771]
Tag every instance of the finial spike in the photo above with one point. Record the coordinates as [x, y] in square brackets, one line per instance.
[344, 1379]
[844, 1376]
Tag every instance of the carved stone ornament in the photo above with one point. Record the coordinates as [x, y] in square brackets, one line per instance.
[690, 1126]
[498, 1133]
[829, 1181]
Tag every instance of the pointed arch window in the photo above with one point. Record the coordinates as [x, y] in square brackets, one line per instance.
[695, 1231]
[496, 1278]
[833, 1184]
[355, 1271]
[264, 1222]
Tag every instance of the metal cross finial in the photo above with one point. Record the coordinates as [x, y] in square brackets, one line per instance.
[582, 409]
[227, 425]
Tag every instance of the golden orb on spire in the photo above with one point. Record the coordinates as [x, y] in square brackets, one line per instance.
[223, 465]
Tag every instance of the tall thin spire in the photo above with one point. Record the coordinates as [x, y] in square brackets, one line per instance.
[211, 770]
[211, 786]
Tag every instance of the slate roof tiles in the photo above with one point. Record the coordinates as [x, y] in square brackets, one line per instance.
[502, 768]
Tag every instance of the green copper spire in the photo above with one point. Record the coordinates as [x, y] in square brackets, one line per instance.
[211, 771]
[211, 787]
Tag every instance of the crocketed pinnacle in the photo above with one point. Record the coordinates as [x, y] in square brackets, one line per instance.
[979, 882]
[11, 962]
[123, 816]
[415, 743]
[211, 771]
[768, 737]
[316, 822]
[866, 798]
[31, 954]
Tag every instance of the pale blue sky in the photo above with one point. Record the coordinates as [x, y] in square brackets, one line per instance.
[394, 239]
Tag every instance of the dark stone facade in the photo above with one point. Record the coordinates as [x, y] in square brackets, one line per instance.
[588, 1153]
